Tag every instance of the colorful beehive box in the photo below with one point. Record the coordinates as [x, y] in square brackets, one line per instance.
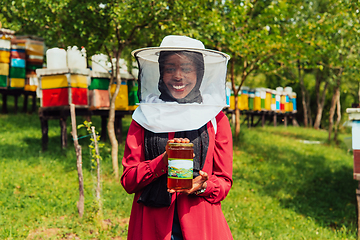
[34, 49]
[243, 102]
[232, 100]
[61, 87]
[34, 53]
[268, 96]
[132, 94]
[251, 99]
[257, 100]
[354, 117]
[31, 81]
[99, 90]
[5, 46]
[17, 70]
[4, 69]
[122, 99]
[273, 100]
[294, 104]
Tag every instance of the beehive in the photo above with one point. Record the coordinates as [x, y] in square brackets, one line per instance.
[5, 46]
[98, 90]
[61, 87]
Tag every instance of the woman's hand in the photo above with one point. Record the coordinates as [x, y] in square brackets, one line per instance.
[198, 183]
[174, 140]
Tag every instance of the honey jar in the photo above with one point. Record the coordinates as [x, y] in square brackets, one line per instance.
[180, 165]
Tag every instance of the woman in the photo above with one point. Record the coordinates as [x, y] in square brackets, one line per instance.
[158, 212]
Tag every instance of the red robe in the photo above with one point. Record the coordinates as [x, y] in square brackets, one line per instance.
[200, 216]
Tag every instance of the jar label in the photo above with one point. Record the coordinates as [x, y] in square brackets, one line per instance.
[180, 168]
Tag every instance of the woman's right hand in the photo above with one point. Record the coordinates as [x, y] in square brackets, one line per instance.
[174, 140]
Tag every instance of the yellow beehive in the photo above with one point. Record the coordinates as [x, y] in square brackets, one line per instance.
[4, 69]
[54, 81]
[268, 99]
[232, 102]
[244, 99]
[30, 88]
[122, 99]
[17, 82]
[34, 47]
[4, 56]
[62, 80]
[79, 81]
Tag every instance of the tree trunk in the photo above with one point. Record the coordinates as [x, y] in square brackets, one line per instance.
[236, 98]
[331, 115]
[320, 101]
[303, 94]
[334, 100]
[310, 121]
[111, 121]
[237, 116]
[338, 119]
[80, 204]
[98, 176]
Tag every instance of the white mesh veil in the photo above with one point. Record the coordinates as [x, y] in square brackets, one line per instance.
[159, 115]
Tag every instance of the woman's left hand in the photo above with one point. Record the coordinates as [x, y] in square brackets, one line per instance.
[198, 183]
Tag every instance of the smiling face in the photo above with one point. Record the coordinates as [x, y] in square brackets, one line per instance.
[179, 75]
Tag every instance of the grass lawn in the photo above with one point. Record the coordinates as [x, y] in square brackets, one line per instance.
[284, 187]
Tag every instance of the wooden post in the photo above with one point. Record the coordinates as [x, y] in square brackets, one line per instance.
[16, 102]
[98, 185]
[26, 96]
[4, 99]
[34, 102]
[80, 204]
[44, 132]
[63, 130]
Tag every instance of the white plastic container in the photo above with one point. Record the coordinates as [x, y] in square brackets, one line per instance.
[288, 89]
[5, 44]
[56, 58]
[99, 63]
[279, 89]
[76, 58]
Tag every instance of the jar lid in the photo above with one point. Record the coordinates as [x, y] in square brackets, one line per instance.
[181, 144]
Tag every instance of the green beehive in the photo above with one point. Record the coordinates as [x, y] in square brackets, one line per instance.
[99, 83]
[3, 81]
[132, 90]
[16, 72]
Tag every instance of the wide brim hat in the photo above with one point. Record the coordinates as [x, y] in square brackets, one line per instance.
[180, 43]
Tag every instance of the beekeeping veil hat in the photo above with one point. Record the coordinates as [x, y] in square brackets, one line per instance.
[158, 110]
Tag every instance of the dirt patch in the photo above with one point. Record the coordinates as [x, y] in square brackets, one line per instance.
[48, 233]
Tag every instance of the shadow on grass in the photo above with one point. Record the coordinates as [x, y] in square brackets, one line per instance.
[306, 182]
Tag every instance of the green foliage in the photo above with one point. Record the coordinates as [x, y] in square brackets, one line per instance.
[272, 38]
[94, 155]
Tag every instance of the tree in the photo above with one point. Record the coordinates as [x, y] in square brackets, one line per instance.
[109, 27]
[128, 19]
[252, 32]
[344, 45]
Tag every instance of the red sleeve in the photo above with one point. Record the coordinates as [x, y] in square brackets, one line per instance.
[139, 172]
[220, 181]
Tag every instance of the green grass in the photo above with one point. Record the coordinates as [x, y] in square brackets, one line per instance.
[283, 188]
